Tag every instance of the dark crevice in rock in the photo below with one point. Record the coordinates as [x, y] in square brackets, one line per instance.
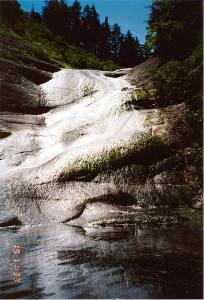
[86, 177]
[139, 104]
[113, 75]
[15, 70]
[121, 198]
[117, 73]
[30, 151]
[40, 64]
[10, 221]
[4, 134]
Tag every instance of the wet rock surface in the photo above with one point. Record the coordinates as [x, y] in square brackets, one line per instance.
[110, 215]
[86, 145]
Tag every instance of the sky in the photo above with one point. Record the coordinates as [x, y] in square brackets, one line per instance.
[129, 14]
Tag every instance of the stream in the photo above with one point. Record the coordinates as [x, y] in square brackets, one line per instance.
[61, 261]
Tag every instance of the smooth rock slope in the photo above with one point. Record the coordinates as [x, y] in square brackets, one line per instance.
[94, 145]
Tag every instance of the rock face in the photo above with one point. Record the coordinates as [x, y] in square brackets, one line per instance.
[140, 75]
[92, 146]
[20, 76]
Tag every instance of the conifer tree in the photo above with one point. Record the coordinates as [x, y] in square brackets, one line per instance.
[116, 41]
[174, 27]
[75, 22]
[130, 52]
[56, 16]
[36, 17]
[90, 29]
[10, 13]
[105, 40]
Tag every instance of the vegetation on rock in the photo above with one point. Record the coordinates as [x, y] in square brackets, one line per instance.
[53, 49]
[175, 35]
[136, 151]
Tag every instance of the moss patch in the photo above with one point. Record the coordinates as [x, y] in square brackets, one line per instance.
[147, 149]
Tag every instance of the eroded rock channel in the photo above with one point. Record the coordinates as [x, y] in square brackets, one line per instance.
[91, 146]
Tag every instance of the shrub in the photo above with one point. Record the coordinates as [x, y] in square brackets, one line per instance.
[89, 88]
[178, 81]
[169, 81]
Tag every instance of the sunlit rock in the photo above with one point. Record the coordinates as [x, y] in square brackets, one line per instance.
[90, 147]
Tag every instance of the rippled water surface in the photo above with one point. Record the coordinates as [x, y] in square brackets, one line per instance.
[60, 261]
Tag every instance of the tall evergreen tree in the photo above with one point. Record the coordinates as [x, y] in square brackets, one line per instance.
[90, 28]
[116, 41]
[146, 51]
[56, 16]
[75, 22]
[130, 52]
[10, 13]
[36, 17]
[175, 27]
[105, 40]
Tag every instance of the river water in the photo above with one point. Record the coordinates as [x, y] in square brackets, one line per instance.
[60, 261]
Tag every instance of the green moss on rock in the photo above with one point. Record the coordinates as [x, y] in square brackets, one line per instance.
[146, 149]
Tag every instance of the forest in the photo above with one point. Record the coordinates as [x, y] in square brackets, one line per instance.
[81, 28]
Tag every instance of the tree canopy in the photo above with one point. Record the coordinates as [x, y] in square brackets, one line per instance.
[83, 27]
[175, 27]
[10, 13]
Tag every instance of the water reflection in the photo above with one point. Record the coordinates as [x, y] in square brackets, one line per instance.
[71, 262]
